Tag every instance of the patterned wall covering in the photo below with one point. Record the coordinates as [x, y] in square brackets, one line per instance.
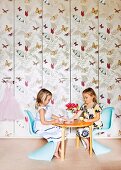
[64, 46]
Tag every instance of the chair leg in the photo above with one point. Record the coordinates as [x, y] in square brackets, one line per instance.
[77, 142]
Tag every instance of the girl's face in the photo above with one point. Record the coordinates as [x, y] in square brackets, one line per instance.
[47, 100]
[87, 98]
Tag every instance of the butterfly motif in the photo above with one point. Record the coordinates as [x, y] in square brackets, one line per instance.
[108, 101]
[53, 52]
[35, 28]
[61, 45]
[52, 101]
[75, 43]
[91, 28]
[76, 52]
[28, 34]
[94, 11]
[8, 29]
[101, 26]
[117, 116]
[52, 65]
[117, 45]
[63, 28]
[117, 80]
[82, 13]
[101, 60]
[82, 83]
[26, 83]
[52, 30]
[75, 78]
[26, 13]
[10, 34]
[19, 78]
[108, 65]
[54, 17]
[92, 63]
[117, 10]
[19, 8]
[5, 46]
[61, 10]
[102, 36]
[8, 134]
[108, 30]
[20, 18]
[19, 43]
[20, 53]
[75, 8]
[84, 35]
[110, 17]
[19, 124]
[76, 18]
[38, 46]
[45, 26]
[119, 97]
[26, 48]
[7, 63]
[119, 28]
[35, 63]
[82, 48]
[94, 46]
[38, 11]
[101, 96]
[26, 119]
[94, 81]
[45, 61]
[5, 10]
[46, 2]
[102, 2]
[110, 52]
[119, 62]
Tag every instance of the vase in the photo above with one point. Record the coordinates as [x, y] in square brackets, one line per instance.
[69, 114]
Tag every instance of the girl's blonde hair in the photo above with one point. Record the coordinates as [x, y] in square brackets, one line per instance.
[42, 96]
[91, 92]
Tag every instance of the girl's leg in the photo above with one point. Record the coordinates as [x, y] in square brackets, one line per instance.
[57, 151]
[86, 142]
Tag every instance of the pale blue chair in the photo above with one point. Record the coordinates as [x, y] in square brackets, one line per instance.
[46, 151]
[106, 116]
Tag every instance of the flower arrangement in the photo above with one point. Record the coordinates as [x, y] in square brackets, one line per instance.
[74, 108]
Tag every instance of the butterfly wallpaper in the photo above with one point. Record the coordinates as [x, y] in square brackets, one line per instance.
[64, 46]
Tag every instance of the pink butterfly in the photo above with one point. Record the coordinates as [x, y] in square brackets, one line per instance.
[26, 83]
[26, 13]
[82, 13]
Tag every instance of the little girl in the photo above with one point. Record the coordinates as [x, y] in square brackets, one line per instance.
[44, 120]
[90, 112]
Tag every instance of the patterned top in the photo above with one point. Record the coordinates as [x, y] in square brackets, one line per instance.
[90, 113]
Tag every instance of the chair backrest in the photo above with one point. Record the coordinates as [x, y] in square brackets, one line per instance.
[106, 116]
[31, 121]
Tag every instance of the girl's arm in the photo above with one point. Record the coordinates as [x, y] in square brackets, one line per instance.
[76, 115]
[96, 118]
[42, 113]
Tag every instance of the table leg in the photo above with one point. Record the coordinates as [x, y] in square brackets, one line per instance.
[90, 131]
[63, 144]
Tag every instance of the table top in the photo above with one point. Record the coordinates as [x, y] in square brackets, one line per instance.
[76, 123]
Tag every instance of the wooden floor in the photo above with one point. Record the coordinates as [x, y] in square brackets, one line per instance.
[14, 156]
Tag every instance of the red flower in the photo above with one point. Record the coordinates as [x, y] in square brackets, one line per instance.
[72, 107]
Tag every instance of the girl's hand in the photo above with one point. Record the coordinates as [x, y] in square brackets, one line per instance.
[85, 120]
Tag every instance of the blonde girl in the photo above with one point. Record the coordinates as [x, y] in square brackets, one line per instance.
[45, 119]
[90, 112]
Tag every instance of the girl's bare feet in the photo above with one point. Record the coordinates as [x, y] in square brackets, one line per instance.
[57, 155]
